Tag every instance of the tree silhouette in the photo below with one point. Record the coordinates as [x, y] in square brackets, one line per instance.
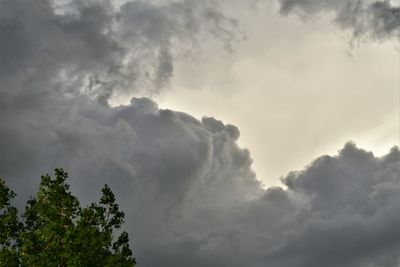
[56, 231]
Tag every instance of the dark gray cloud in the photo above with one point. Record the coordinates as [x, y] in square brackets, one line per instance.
[190, 195]
[90, 48]
[365, 18]
[191, 198]
[170, 171]
[352, 210]
[339, 211]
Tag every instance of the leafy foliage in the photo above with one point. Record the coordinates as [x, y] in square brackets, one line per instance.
[56, 231]
[9, 228]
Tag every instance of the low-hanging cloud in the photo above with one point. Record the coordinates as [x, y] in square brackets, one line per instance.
[364, 18]
[186, 186]
[191, 198]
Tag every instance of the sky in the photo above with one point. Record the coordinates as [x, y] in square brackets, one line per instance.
[296, 89]
[233, 133]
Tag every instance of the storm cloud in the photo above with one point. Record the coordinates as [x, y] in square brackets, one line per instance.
[91, 48]
[191, 198]
[364, 18]
[188, 190]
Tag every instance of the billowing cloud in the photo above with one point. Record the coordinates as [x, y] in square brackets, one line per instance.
[92, 49]
[351, 211]
[339, 211]
[365, 18]
[165, 166]
[191, 197]
[188, 190]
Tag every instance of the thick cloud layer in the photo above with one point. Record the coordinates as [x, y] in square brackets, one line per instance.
[172, 173]
[190, 195]
[365, 18]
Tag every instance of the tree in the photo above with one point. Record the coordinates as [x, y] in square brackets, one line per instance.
[9, 228]
[56, 231]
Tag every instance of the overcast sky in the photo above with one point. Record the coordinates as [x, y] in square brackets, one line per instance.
[295, 89]
[234, 133]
